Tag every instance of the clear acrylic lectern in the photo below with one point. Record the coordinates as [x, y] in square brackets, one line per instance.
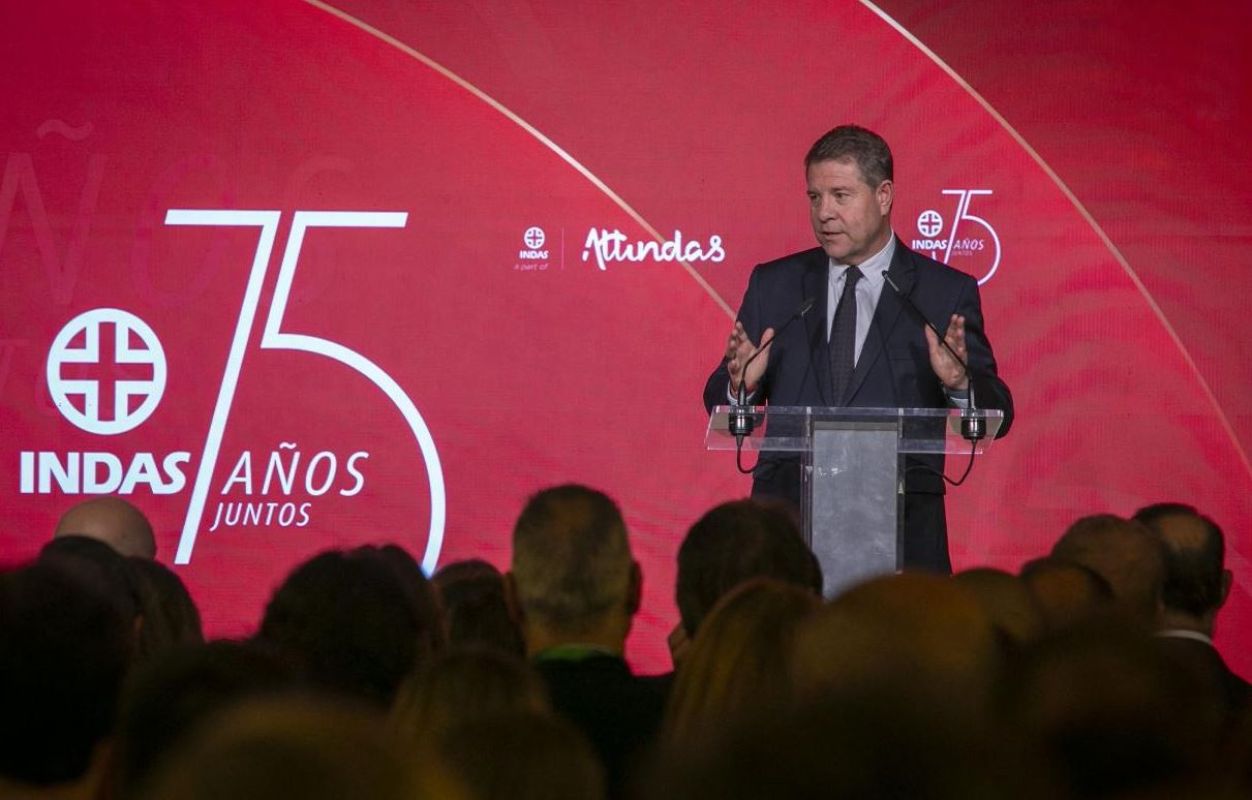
[853, 472]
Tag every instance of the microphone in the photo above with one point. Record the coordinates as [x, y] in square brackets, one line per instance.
[741, 421]
[973, 424]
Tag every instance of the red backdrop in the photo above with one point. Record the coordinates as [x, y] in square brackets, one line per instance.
[415, 371]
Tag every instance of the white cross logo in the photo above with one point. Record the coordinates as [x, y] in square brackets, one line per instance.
[119, 356]
[929, 223]
[534, 238]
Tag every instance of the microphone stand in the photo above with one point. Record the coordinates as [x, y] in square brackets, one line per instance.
[973, 421]
[742, 419]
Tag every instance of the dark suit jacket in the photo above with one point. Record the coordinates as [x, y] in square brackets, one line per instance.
[893, 370]
[1232, 691]
[620, 713]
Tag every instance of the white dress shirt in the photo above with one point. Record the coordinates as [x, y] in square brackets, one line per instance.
[868, 290]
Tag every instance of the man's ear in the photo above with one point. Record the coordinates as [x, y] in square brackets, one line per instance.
[885, 194]
[1228, 579]
[634, 592]
[511, 600]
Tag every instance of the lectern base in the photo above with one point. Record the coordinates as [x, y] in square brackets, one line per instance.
[853, 512]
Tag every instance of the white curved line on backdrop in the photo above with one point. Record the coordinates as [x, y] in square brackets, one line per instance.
[526, 126]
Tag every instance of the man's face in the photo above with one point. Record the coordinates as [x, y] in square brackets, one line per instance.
[851, 219]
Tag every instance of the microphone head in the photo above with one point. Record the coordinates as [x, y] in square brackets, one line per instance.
[806, 306]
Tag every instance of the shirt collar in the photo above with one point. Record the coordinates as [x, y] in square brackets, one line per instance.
[1179, 633]
[871, 268]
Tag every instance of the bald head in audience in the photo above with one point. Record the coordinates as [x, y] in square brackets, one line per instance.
[113, 521]
[1126, 555]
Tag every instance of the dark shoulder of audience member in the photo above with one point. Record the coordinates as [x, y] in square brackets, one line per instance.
[1112, 713]
[474, 606]
[353, 621]
[167, 699]
[170, 616]
[64, 649]
[736, 541]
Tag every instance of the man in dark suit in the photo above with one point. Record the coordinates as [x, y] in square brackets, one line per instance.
[1196, 587]
[860, 345]
[575, 588]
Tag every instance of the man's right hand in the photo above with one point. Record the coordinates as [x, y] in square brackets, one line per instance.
[739, 350]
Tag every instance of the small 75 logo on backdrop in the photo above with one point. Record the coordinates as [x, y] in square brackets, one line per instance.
[980, 249]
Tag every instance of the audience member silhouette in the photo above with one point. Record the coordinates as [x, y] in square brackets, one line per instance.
[522, 755]
[99, 564]
[1013, 610]
[891, 743]
[1197, 584]
[170, 616]
[474, 607]
[1067, 594]
[311, 750]
[1112, 714]
[732, 543]
[577, 588]
[355, 622]
[1126, 555]
[169, 698]
[912, 629]
[64, 649]
[461, 684]
[738, 666]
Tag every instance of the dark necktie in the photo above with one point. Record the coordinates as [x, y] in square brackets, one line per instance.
[843, 337]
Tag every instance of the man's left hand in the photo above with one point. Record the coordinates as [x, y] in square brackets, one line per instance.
[947, 368]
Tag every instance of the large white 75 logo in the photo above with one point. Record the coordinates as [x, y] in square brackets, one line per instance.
[273, 338]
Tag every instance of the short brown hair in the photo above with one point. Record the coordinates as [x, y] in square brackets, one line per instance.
[854, 143]
[571, 558]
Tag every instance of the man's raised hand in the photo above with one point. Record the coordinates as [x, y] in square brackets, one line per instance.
[947, 368]
[739, 350]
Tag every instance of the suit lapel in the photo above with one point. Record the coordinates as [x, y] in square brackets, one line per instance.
[886, 314]
[815, 285]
